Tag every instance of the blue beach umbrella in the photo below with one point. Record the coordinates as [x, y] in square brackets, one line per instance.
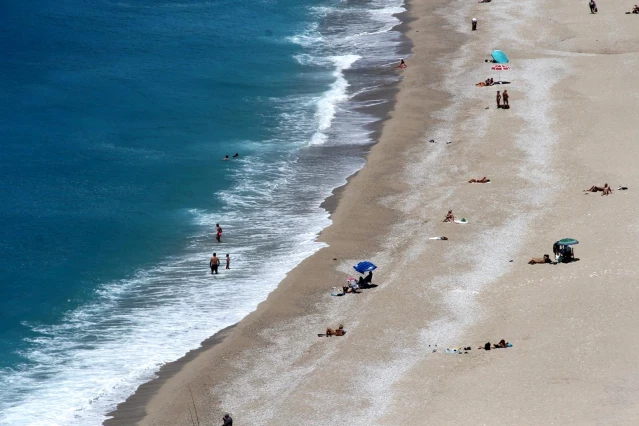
[365, 266]
[499, 57]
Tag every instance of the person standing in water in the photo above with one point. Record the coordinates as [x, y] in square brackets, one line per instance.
[228, 261]
[218, 232]
[498, 99]
[214, 263]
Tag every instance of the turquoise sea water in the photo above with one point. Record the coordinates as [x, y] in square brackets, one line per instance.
[115, 117]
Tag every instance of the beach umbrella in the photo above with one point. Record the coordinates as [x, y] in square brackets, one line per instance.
[500, 68]
[567, 242]
[499, 57]
[365, 266]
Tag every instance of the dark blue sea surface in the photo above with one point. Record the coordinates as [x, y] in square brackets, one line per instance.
[115, 117]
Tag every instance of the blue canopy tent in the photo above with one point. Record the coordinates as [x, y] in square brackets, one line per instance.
[365, 266]
[499, 57]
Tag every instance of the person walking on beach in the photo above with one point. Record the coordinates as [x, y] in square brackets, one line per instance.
[214, 263]
[218, 232]
[498, 99]
[228, 421]
[506, 106]
[593, 6]
[228, 261]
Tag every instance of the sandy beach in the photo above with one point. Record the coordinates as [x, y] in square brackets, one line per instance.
[572, 124]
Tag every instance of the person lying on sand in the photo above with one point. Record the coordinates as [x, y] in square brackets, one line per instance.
[502, 344]
[339, 332]
[606, 189]
[536, 260]
[482, 180]
[450, 217]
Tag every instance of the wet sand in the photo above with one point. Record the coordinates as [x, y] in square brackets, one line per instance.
[572, 124]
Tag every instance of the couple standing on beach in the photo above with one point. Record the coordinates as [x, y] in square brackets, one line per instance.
[214, 263]
[505, 97]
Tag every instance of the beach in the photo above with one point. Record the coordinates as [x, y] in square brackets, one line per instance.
[571, 125]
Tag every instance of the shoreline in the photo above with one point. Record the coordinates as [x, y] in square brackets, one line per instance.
[133, 409]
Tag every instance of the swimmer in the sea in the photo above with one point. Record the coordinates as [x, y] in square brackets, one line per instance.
[236, 155]
[226, 158]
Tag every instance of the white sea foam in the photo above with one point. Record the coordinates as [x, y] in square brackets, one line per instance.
[328, 104]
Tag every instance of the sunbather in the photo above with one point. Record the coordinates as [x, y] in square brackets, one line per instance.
[339, 332]
[536, 260]
[482, 180]
[502, 344]
[635, 9]
[450, 217]
[606, 190]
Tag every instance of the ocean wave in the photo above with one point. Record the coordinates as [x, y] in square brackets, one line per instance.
[327, 105]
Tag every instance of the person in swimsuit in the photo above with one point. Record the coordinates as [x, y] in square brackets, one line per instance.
[226, 158]
[339, 332]
[506, 99]
[482, 180]
[218, 232]
[236, 155]
[214, 263]
[498, 98]
[605, 190]
[402, 64]
[450, 217]
[228, 261]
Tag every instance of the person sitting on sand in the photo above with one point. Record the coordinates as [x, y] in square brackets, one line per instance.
[536, 260]
[402, 64]
[339, 332]
[606, 190]
[450, 217]
[635, 9]
[369, 278]
[482, 180]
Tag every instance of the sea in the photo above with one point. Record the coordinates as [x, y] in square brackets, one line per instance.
[115, 117]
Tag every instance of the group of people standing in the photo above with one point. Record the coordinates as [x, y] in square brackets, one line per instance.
[214, 262]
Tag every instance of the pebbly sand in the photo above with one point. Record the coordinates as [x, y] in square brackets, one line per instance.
[572, 124]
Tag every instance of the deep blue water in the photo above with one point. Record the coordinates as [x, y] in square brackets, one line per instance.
[114, 118]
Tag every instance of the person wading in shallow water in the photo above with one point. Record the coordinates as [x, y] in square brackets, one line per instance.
[218, 232]
[228, 261]
[214, 263]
